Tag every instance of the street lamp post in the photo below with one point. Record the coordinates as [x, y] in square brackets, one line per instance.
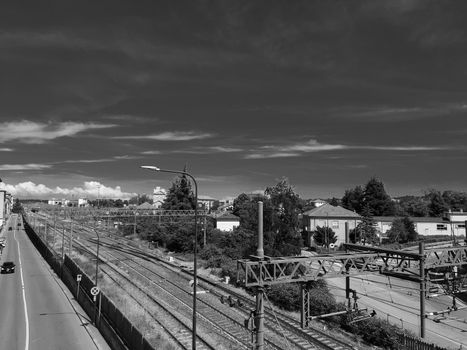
[195, 250]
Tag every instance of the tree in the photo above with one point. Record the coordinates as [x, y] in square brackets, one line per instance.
[377, 199]
[281, 206]
[285, 231]
[353, 199]
[402, 230]
[324, 236]
[455, 200]
[437, 204]
[413, 206]
[365, 230]
[397, 234]
[140, 199]
[17, 207]
[246, 209]
[180, 195]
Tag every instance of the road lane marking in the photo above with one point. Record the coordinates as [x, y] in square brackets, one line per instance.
[26, 345]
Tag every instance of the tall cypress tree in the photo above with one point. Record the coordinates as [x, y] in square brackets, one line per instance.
[377, 199]
[180, 195]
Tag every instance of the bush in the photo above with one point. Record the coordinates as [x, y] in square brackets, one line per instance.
[285, 296]
[229, 268]
[374, 331]
[210, 251]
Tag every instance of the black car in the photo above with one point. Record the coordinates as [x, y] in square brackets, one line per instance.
[7, 267]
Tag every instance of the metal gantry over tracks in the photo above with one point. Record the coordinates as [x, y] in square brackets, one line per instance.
[262, 271]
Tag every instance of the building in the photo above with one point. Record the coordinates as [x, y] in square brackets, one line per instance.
[317, 202]
[6, 203]
[457, 221]
[83, 202]
[226, 221]
[158, 196]
[327, 215]
[206, 202]
[451, 224]
[54, 201]
[226, 204]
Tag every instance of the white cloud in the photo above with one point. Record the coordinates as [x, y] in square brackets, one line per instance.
[222, 149]
[170, 136]
[299, 149]
[30, 166]
[310, 146]
[90, 189]
[33, 132]
[100, 160]
[6, 149]
[271, 155]
[403, 148]
[199, 150]
[151, 152]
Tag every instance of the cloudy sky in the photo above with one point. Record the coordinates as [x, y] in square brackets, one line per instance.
[242, 92]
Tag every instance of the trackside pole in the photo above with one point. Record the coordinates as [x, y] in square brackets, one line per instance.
[347, 278]
[259, 317]
[421, 249]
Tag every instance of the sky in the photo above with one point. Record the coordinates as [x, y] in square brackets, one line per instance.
[240, 93]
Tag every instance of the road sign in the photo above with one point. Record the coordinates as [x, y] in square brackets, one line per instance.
[78, 277]
[95, 291]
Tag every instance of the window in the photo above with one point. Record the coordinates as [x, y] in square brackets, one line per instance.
[441, 227]
[335, 224]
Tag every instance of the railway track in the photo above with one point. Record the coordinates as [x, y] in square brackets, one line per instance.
[157, 279]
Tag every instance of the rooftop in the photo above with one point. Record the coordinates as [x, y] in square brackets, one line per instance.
[328, 210]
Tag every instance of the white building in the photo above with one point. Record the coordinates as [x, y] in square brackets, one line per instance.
[158, 196]
[227, 221]
[83, 202]
[451, 224]
[206, 202]
[6, 202]
[54, 201]
[318, 202]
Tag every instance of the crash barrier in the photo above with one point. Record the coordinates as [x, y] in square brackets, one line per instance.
[411, 343]
[116, 329]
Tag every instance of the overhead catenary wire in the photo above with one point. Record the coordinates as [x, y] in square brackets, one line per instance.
[277, 321]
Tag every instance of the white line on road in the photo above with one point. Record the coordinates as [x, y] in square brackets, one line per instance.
[26, 345]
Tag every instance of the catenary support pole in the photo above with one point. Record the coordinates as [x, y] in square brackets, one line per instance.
[422, 289]
[259, 318]
[347, 278]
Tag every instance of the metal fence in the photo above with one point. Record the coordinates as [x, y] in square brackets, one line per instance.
[116, 329]
[410, 343]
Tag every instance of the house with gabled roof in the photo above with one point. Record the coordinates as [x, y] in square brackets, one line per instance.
[331, 216]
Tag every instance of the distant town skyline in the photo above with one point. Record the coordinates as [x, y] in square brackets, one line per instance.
[242, 93]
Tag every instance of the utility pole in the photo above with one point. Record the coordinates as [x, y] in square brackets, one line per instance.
[259, 317]
[421, 250]
[347, 277]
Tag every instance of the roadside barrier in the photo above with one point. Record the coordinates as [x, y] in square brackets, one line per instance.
[116, 329]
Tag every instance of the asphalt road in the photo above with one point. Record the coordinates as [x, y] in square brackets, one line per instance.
[398, 301]
[37, 310]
